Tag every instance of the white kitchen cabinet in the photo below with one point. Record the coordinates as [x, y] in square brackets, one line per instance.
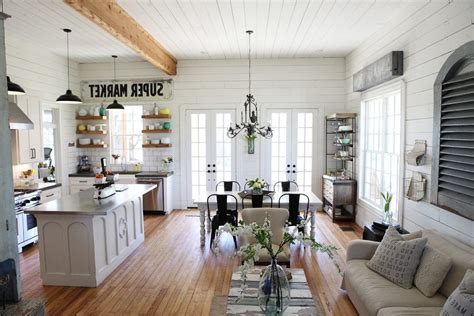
[78, 184]
[126, 179]
[50, 195]
[28, 145]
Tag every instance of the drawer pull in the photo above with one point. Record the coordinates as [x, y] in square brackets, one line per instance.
[50, 195]
[83, 181]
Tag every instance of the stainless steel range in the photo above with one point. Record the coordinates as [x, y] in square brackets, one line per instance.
[27, 230]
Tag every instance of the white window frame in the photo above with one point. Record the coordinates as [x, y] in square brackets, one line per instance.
[111, 135]
[372, 94]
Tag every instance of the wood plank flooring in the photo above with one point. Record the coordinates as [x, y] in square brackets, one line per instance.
[170, 274]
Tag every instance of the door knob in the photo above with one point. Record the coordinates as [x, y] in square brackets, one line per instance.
[287, 171]
[208, 171]
[294, 171]
[214, 171]
[294, 166]
[288, 166]
[214, 165]
[208, 165]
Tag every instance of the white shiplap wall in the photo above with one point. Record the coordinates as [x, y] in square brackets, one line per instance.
[316, 83]
[427, 38]
[44, 75]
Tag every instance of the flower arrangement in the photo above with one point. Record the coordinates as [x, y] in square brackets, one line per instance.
[263, 236]
[167, 160]
[387, 197]
[116, 157]
[257, 184]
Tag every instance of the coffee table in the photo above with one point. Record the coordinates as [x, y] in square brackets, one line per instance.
[301, 303]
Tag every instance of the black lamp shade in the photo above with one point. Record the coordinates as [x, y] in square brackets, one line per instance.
[115, 106]
[69, 98]
[13, 88]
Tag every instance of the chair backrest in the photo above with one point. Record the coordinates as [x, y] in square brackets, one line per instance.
[294, 205]
[286, 186]
[257, 200]
[246, 185]
[228, 185]
[277, 217]
[222, 204]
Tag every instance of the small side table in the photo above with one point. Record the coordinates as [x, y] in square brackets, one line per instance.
[376, 234]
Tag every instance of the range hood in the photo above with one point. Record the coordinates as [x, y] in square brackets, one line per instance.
[17, 118]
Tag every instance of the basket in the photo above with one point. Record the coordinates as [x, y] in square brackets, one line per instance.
[415, 189]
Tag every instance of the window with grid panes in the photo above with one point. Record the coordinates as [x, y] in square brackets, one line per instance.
[380, 141]
[126, 134]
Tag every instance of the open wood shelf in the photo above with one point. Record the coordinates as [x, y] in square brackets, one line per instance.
[159, 116]
[156, 131]
[156, 145]
[91, 118]
[92, 146]
[92, 132]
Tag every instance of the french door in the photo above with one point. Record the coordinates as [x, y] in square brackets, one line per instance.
[210, 154]
[290, 150]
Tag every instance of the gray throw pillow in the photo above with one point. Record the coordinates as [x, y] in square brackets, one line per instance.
[397, 259]
[433, 268]
[461, 301]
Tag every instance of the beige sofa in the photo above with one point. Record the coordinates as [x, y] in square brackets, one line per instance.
[373, 295]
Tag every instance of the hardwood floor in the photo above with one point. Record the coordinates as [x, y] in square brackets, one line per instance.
[170, 274]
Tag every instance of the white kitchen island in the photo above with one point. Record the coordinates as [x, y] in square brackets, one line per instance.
[82, 240]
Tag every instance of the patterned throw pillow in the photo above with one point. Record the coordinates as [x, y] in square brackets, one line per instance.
[461, 301]
[433, 268]
[397, 259]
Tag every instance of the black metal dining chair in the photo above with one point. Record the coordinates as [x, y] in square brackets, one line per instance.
[228, 185]
[247, 187]
[257, 200]
[294, 209]
[223, 214]
[286, 186]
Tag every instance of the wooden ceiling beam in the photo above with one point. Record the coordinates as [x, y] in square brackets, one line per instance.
[114, 19]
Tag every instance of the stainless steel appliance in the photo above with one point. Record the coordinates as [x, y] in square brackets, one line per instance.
[153, 201]
[27, 230]
[84, 165]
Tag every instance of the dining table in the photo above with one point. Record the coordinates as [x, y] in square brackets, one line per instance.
[201, 202]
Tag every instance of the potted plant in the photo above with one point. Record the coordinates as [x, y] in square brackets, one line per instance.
[257, 185]
[273, 289]
[167, 162]
[388, 216]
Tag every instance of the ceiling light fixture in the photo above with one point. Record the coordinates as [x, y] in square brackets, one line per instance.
[14, 88]
[68, 97]
[249, 122]
[115, 105]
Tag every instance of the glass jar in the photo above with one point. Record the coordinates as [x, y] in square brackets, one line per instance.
[273, 290]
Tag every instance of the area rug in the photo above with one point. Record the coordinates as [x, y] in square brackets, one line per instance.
[301, 303]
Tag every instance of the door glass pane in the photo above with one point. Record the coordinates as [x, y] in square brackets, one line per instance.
[198, 154]
[304, 150]
[223, 148]
[278, 147]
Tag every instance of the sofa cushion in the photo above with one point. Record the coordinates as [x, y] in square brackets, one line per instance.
[409, 311]
[432, 270]
[374, 292]
[462, 257]
[397, 259]
[461, 301]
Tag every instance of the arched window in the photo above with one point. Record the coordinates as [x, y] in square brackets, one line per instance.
[452, 184]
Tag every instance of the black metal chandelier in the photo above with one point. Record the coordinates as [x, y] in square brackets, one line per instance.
[249, 121]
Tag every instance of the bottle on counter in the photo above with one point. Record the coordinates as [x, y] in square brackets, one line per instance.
[138, 167]
[156, 110]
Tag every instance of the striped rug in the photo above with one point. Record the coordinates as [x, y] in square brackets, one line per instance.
[301, 302]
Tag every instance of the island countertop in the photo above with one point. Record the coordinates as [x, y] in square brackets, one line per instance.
[83, 203]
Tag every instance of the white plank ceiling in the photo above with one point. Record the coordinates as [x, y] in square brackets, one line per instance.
[214, 29]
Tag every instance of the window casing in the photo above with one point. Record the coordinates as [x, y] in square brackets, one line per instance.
[126, 134]
[380, 148]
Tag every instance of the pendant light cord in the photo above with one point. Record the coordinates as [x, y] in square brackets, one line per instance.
[115, 77]
[250, 63]
[67, 40]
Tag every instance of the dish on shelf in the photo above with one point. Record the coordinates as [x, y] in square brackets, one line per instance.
[165, 111]
[82, 112]
[155, 141]
[166, 140]
[344, 141]
[84, 141]
[345, 128]
[167, 125]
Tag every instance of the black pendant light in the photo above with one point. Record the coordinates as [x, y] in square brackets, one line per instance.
[115, 105]
[14, 88]
[68, 97]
